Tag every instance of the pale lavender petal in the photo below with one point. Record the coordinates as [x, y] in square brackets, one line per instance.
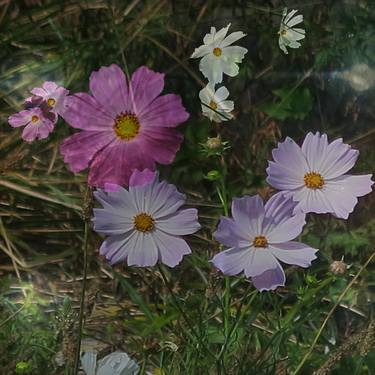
[314, 147]
[85, 112]
[270, 279]
[311, 200]
[50, 86]
[229, 233]
[112, 222]
[292, 252]
[164, 111]
[232, 261]
[21, 118]
[287, 230]
[144, 253]
[180, 223]
[248, 213]
[171, 248]
[342, 192]
[282, 178]
[79, 149]
[116, 248]
[109, 87]
[140, 178]
[145, 86]
[278, 208]
[259, 261]
[38, 91]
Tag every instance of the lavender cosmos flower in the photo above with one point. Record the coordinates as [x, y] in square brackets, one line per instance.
[314, 175]
[144, 223]
[258, 236]
[125, 125]
[52, 94]
[37, 121]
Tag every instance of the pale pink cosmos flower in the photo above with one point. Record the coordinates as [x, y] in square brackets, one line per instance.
[125, 125]
[38, 123]
[52, 94]
[315, 175]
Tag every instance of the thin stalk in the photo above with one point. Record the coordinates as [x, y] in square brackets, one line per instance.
[82, 301]
[342, 295]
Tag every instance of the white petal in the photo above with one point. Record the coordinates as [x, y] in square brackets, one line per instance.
[221, 94]
[211, 67]
[294, 21]
[234, 53]
[201, 51]
[220, 35]
[209, 38]
[231, 38]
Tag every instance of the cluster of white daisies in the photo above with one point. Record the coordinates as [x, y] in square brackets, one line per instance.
[219, 56]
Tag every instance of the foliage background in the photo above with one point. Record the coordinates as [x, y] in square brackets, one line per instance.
[189, 324]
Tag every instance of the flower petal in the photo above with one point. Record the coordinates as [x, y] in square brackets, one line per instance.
[141, 178]
[294, 253]
[211, 67]
[229, 232]
[232, 261]
[287, 230]
[112, 222]
[109, 87]
[171, 249]
[30, 132]
[231, 38]
[180, 223]
[21, 118]
[144, 253]
[116, 248]
[270, 279]
[260, 260]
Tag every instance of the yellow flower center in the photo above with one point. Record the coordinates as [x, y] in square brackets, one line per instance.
[213, 105]
[126, 126]
[260, 241]
[217, 51]
[51, 102]
[143, 222]
[282, 32]
[35, 119]
[313, 180]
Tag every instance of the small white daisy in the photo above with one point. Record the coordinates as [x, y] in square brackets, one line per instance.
[218, 55]
[289, 35]
[214, 103]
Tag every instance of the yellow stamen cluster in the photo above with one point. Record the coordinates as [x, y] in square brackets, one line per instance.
[213, 105]
[313, 180]
[126, 126]
[51, 102]
[260, 241]
[217, 51]
[34, 119]
[143, 222]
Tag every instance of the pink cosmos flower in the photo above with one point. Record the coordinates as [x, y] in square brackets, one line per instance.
[52, 94]
[258, 236]
[125, 125]
[144, 223]
[38, 123]
[314, 175]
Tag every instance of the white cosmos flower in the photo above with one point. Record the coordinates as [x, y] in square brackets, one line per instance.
[218, 55]
[289, 35]
[214, 103]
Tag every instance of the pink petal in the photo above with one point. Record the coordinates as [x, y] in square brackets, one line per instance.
[166, 110]
[115, 163]
[79, 149]
[38, 91]
[109, 87]
[141, 178]
[145, 86]
[30, 132]
[161, 144]
[50, 87]
[21, 118]
[82, 111]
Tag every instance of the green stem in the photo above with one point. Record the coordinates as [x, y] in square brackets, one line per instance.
[82, 301]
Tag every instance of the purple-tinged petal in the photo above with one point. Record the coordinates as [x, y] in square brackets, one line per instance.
[140, 178]
[164, 111]
[161, 143]
[180, 223]
[118, 201]
[111, 222]
[171, 249]
[287, 230]
[85, 112]
[259, 261]
[50, 86]
[44, 128]
[314, 148]
[232, 261]
[21, 118]
[278, 208]
[79, 149]
[38, 91]
[282, 178]
[229, 233]
[144, 252]
[110, 188]
[116, 248]
[30, 132]
[145, 86]
[292, 252]
[109, 87]
[270, 279]
[248, 214]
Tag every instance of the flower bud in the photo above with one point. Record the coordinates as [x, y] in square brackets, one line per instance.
[338, 267]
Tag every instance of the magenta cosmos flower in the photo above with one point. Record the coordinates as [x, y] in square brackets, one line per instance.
[314, 175]
[37, 121]
[144, 223]
[52, 94]
[125, 125]
[258, 236]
